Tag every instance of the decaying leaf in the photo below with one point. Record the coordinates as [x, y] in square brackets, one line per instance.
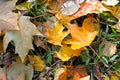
[85, 8]
[58, 72]
[109, 49]
[37, 62]
[83, 36]
[3, 74]
[74, 73]
[20, 72]
[66, 52]
[56, 35]
[23, 37]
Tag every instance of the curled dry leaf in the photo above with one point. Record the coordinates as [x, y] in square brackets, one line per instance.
[73, 73]
[37, 62]
[69, 7]
[23, 37]
[56, 35]
[109, 49]
[20, 72]
[85, 8]
[83, 36]
[66, 52]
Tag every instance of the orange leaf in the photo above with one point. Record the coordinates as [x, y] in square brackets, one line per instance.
[83, 36]
[74, 73]
[85, 8]
[66, 53]
[56, 35]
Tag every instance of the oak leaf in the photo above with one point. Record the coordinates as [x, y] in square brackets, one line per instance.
[66, 52]
[74, 73]
[23, 37]
[56, 35]
[37, 62]
[83, 36]
[20, 72]
[85, 8]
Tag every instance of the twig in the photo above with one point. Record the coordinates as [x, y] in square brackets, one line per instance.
[41, 16]
[98, 56]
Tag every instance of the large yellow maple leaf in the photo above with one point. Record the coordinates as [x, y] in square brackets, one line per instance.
[66, 53]
[56, 35]
[22, 37]
[83, 36]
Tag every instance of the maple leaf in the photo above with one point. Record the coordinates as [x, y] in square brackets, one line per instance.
[66, 52]
[20, 72]
[85, 8]
[37, 62]
[23, 37]
[56, 35]
[83, 36]
[73, 73]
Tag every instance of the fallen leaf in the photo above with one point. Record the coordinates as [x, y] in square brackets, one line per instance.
[7, 7]
[23, 37]
[85, 8]
[58, 72]
[69, 7]
[66, 52]
[83, 36]
[9, 21]
[117, 26]
[37, 62]
[110, 2]
[24, 6]
[74, 73]
[109, 49]
[3, 75]
[56, 35]
[20, 72]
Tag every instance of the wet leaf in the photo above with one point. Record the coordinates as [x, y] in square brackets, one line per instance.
[56, 35]
[23, 37]
[37, 62]
[66, 53]
[83, 36]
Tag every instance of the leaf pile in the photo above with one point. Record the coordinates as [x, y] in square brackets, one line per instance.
[60, 40]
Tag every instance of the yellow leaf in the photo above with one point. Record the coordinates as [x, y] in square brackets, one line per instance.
[56, 35]
[109, 49]
[20, 72]
[24, 6]
[74, 73]
[66, 53]
[23, 37]
[83, 36]
[37, 62]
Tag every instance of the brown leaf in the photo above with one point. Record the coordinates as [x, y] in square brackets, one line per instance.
[3, 75]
